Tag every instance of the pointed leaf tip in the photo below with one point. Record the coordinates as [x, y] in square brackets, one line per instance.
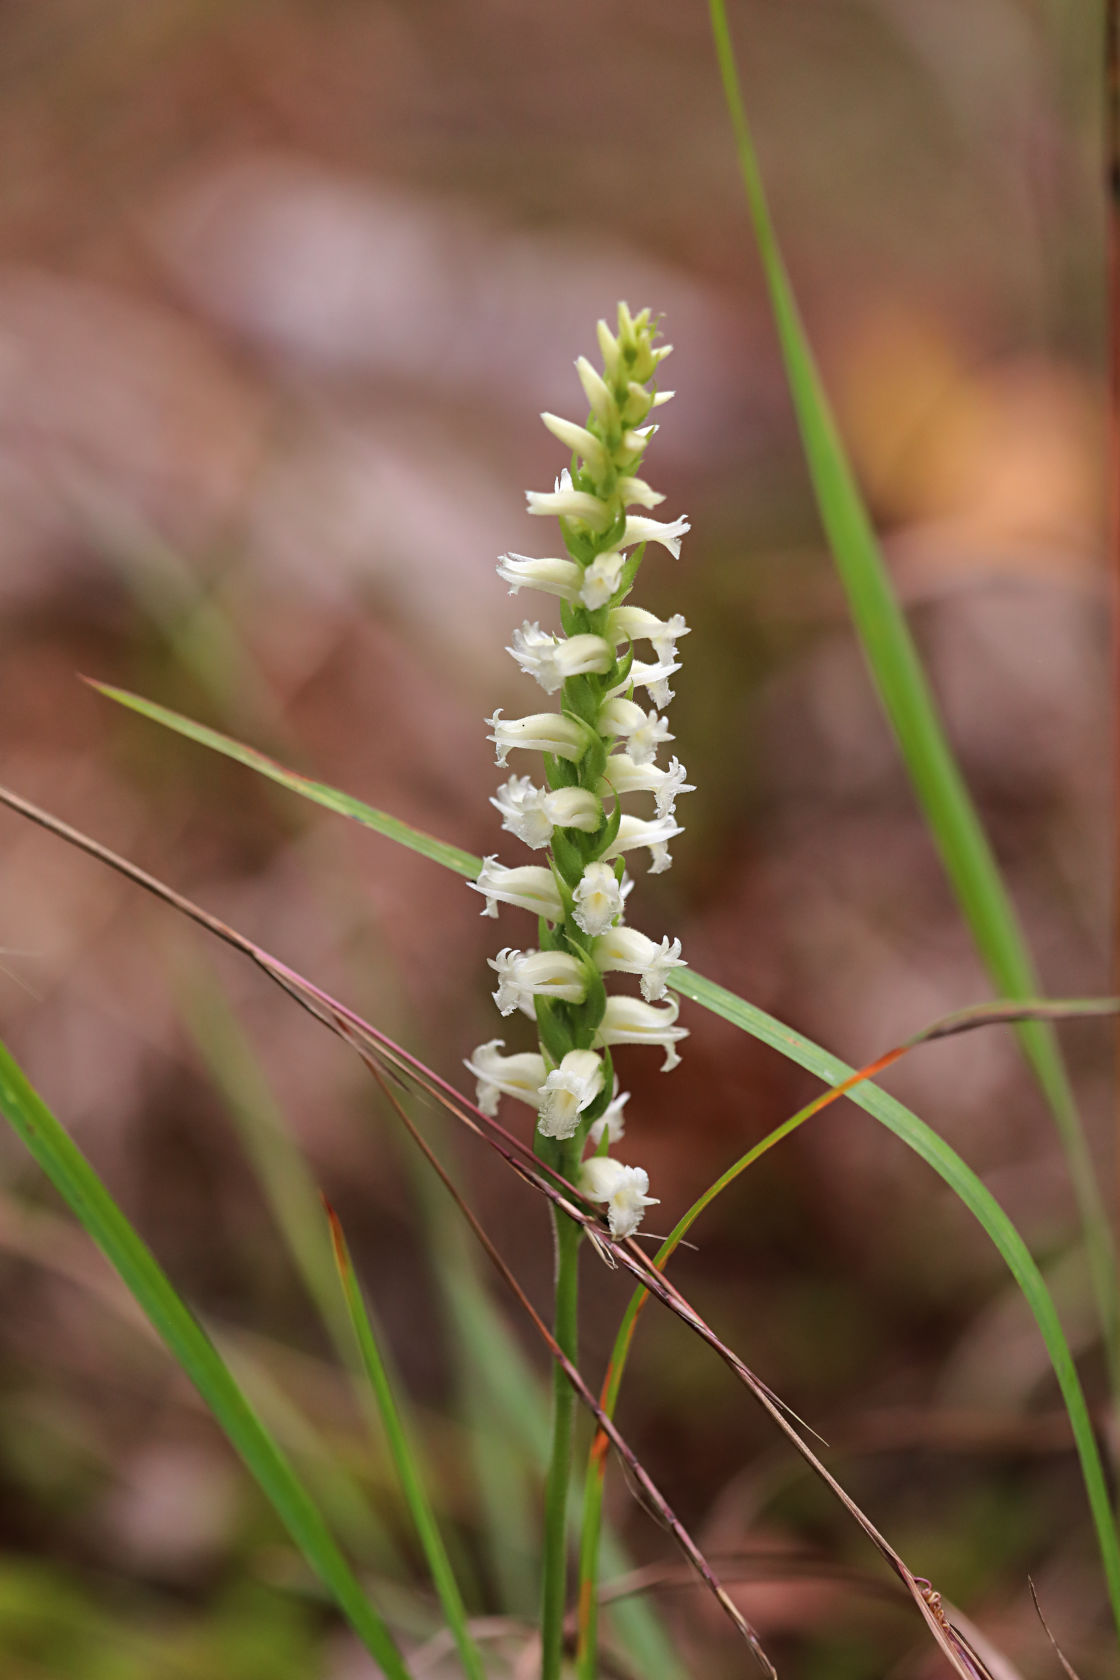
[338, 1239]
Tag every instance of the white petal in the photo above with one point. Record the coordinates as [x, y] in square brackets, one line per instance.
[512, 1076]
[639, 530]
[597, 392]
[553, 577]
[601, 579]
[597, 899]
[567, 1091]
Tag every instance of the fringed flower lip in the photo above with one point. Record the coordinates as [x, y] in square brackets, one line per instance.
[623, 775]
[598, 899]
[635, 624]
[644, 731]
[603, 1179]
[549, 732]
[524, 976]
[623, 950]
[567, 1091]
[551, 660]
[656, 834]
[611, 1124]
[531, 813]
[554, 577]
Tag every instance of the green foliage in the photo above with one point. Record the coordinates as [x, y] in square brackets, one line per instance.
[908, 702]
[49, 1627]
[964, 1183]
[452, 857]
[76, 1181]
[404, 1458]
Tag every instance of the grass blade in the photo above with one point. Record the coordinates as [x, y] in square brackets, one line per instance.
[509, 1403]
[74, 1178]
[886, 1109]
[969, 1189]
[963, 1020]
[381, 1058]
[912, 711]
[404, 1459]
[319, 792]
[285, 1179]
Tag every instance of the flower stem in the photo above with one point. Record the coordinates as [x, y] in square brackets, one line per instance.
[554, 1569]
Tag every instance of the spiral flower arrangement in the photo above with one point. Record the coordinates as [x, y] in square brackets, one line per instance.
[599, 749]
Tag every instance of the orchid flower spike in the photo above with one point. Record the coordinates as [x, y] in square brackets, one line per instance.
[598, 748]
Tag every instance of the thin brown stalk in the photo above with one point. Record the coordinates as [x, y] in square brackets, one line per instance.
[377, 1051]
[651, 1493]
[1112, 211]
[354, 1030]
[1068, 1668]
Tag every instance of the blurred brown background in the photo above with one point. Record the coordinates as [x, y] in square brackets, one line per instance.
[283, 287]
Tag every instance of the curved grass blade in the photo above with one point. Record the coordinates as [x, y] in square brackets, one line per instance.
[649, 1490]
[960, 1021]
[404, 1458]
[452, 857]
[897, 1118]
[506, 1407]
[635, 1261]
[278, 1163]
[377, 1049]
[911, 710]
[74, 1178]
[370, 1044]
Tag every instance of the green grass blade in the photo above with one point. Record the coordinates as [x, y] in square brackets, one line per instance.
[495, 1385]
[343, 803]
[509, 1384]
[341, 1497]
[285, 1179]
[912, 711]
[404, 1460]
[889, 1112]
[981, 1204]
[512, 1404]
[937, 1154]
[74, 1178]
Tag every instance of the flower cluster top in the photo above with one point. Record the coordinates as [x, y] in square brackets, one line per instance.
[600, 747]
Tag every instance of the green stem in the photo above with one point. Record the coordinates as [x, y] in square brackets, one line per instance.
[595, 1480]
[554, 1568]
[590, 1536]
